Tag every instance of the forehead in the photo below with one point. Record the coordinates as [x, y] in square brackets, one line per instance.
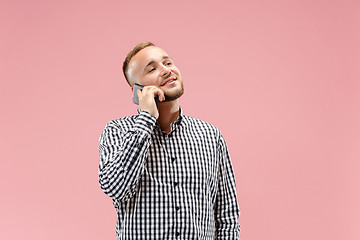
[146, 55]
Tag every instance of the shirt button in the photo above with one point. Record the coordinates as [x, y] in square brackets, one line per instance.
[177, 234]
[177, 208]
[176, 183]
[173, 159]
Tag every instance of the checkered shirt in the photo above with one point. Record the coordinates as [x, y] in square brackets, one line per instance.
[179, 185]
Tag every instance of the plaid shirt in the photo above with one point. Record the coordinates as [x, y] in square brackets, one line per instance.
[179, 185]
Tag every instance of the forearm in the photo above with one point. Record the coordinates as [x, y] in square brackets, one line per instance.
[228, 228]
[123, 156]
[227, 212]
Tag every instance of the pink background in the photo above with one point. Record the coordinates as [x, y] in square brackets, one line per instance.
[280, 79]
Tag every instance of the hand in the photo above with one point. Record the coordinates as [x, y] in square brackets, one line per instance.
[147, 99]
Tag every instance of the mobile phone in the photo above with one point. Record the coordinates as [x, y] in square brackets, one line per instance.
[136, 97]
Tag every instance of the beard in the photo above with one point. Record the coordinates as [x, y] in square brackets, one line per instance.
[171, 96]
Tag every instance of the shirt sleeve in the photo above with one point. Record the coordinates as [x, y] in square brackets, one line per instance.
[227, 209]
[123, 155]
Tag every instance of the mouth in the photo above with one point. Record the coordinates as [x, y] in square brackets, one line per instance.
[169, 81]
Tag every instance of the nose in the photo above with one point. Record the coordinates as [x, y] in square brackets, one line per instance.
[166, 71]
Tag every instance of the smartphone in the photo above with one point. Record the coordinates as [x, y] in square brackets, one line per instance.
[136, 97]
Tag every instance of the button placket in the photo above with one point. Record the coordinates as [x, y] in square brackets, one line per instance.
[172, 161]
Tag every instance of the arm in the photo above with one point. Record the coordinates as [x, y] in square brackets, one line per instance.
[123, 156]
[226, 209]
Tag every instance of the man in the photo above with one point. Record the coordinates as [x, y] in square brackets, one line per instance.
[169, 175]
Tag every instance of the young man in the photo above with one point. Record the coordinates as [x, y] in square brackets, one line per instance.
[169, 175]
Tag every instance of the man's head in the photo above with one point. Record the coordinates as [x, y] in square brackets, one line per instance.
[147, 65]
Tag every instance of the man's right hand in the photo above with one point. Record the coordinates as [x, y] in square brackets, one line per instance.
[147, 99]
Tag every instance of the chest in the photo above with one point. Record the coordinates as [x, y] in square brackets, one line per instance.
[189, 159]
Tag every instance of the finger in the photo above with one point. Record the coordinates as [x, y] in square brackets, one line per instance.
[139, 93]
[160, 93]
[154, 91]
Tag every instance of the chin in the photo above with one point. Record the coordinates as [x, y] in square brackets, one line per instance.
[173, 96]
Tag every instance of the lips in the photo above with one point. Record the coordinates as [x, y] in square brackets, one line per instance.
[168, 80]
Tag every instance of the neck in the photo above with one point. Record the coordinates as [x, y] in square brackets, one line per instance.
[168, 113]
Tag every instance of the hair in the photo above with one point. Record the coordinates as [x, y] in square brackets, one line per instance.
[131, 54]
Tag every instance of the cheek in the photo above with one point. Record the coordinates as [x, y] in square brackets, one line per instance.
[176, 70]
[148, 80]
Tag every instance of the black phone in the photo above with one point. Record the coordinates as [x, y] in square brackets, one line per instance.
[136, 97]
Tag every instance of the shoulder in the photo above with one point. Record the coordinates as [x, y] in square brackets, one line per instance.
[201, 126]
[122, 124]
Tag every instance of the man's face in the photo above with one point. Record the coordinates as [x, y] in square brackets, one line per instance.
[153, 66]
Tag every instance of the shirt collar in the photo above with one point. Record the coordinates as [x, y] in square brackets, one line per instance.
[180, 117]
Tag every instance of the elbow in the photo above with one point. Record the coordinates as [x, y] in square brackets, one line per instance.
[110, 189]
[116, 190]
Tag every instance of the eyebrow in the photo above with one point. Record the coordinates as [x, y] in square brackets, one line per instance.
[152, 62]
